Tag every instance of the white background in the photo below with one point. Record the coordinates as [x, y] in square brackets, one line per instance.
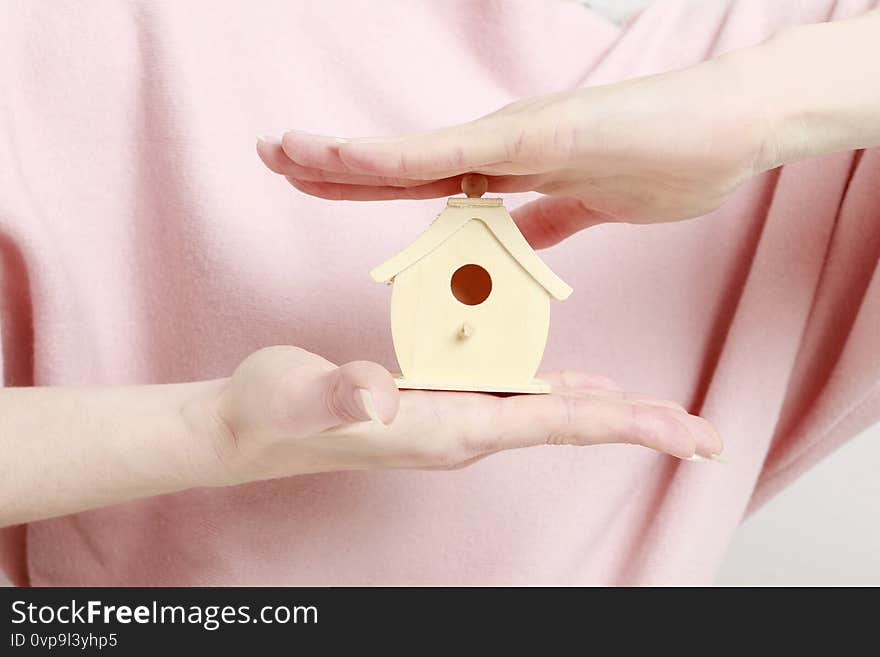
[825, 528]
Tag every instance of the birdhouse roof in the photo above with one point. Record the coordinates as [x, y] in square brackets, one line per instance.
[458, 212]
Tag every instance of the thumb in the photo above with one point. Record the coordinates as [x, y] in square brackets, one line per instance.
[551, 219]
[357, 392]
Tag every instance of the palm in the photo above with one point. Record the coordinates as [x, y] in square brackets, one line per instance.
[278, 419]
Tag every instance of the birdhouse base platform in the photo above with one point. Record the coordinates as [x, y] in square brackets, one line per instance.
[536, 387]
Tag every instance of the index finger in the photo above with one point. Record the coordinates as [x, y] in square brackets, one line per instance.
[567, 419]
[474, 424]
[429, 156]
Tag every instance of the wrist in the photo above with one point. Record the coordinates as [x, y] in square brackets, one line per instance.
[794, 122]
[811, 84]
[210, 440]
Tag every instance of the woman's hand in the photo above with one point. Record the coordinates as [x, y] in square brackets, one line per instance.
[286, 411]
[659, 148]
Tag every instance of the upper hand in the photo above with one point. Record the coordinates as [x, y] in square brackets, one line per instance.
[660, 148]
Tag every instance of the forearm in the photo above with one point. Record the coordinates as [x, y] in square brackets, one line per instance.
[818, 87]
[68, 449]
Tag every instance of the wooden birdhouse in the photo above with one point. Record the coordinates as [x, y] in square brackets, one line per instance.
[470, 309]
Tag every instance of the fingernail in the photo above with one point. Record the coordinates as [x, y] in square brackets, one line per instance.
[269, 139]
[715, 457]
[311, 135]
[295, 133]
[369, 406]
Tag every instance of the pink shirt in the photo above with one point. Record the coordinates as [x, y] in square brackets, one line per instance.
[141, 240]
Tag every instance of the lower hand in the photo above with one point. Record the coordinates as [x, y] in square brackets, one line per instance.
[286, 411]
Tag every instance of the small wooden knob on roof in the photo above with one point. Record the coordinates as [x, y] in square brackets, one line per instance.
[474, 185]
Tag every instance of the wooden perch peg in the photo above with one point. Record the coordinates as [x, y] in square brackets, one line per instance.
[474, 185]
[465, 331]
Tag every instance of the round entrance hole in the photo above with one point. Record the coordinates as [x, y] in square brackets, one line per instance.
[471, 284]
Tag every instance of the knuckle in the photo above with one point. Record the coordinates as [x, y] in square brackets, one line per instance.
[469, 442]
[604, 382]
[332, 399]
[570, 378]
[458, 156]
[463, 448]
[654, 426]
[566, 378]
[444, 454]
[430, 447]
[562, 427]
[644, 426]
[458, 447]
[548, 222]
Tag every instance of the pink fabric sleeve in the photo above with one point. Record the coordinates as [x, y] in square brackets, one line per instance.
[826, 213]
[828, 210]
[834, 387]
